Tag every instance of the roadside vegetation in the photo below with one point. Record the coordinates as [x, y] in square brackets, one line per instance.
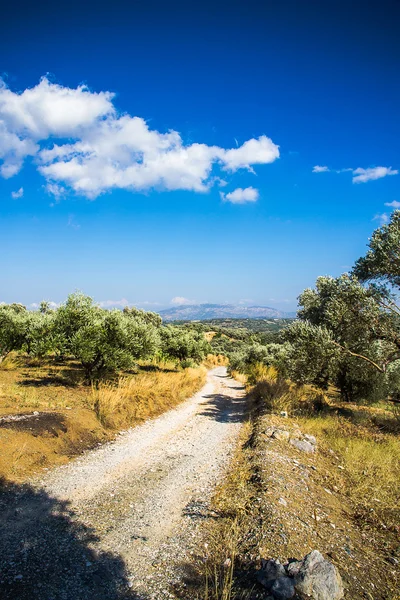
[72, 377]
[332, 375]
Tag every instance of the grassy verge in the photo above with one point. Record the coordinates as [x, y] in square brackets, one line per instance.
[134, 399]
[73, 417]
[278, 502]
[224, 535]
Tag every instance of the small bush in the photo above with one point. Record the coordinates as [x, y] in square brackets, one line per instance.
[188, 363]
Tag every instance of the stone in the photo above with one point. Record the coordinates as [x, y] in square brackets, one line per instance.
[310, 438]
[303, 446]
[271, 570]
[281, 434]
[316, 578]
[282, 501]
[283, 588]
[269, 431]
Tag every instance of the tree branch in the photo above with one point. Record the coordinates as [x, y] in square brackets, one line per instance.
[371, 362]
[392, 306]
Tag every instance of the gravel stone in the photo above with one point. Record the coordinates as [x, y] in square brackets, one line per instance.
[303, 446]
[316, 578]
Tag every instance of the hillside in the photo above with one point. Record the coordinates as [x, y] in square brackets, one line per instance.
[203, 312]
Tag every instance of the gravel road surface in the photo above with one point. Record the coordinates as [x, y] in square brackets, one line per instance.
[120, 521]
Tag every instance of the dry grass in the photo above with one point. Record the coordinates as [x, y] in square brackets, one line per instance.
[370, 461]
[232, 503]
[343, 500]
[78, 418]
[209, 335]
[240, 377]
[135, 399]
[364, 438]
[215, 360]
[277, 394]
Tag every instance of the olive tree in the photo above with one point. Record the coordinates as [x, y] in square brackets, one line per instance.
[13, 325]
[149, 317]
[110, 341]
[343, 336]
[40, 337]
[382, 261]
[102, 340]
[183, 345]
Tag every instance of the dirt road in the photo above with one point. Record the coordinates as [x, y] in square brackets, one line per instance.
[120, 521]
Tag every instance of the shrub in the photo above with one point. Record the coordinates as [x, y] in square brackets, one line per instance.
[183, 345]
[13, 325]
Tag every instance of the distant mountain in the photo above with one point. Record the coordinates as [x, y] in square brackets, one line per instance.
[202, 312]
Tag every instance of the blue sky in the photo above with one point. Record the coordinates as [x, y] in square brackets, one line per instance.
[190, 201]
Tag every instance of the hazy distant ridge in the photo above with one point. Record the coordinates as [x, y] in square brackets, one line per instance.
[202, 312]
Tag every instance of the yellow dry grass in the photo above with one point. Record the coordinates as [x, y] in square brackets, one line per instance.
[215, 360]
[281, 395]
[79, 418]
[370, 461]
[209, 335]
[232, 500]
[240, 377]
[135, 399]
[364, 437]
[358, 458]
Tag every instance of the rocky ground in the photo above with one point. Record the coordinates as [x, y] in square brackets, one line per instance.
[296, 506]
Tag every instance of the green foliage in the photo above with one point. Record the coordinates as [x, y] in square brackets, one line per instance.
[102, 341]
[149, 317]
[310, 355]
[382, 261]
[244, 359]
[40, 336]
[183, 345]
[345, 336]
[110, 340]
[12, 329]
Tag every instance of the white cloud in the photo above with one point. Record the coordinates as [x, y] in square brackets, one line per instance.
[114, 303]
[252, 152]
[395, 204]
[360, 175]
[319, 169]
[80, 141]
[36, 305]
[72, 223]
[51, 109]
[363, 175]
[180, 300]
[18, 194]
[54, 189]
[241, 196]
[382, 218]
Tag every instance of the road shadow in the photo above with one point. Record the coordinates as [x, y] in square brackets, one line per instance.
[224, 409]
[47, 554]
